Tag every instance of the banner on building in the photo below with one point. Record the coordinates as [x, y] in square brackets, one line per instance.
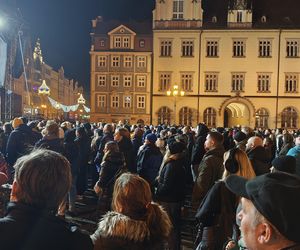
[3, 60]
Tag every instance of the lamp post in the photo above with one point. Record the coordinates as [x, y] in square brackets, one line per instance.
[44, 91]
[175, 92]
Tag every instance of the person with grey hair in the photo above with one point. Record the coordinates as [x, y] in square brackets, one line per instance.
[42, 181]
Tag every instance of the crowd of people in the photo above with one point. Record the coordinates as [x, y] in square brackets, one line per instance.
[142, 175]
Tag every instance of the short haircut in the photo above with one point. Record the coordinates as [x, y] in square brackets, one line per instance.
[43, 177]
[216, 137]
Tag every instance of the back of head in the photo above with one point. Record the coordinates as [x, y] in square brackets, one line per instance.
[285, 163]
[112, 146]
[132, 197]
[43, 178]
[108, 128]
[237, 162]
[216, 137]
[16, 122]
[52, 128]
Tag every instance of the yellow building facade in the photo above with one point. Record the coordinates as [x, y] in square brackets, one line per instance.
[238, 66]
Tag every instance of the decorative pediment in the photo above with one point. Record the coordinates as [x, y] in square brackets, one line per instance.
[122, 30]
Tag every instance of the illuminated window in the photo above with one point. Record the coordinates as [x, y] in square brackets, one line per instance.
[239, 48]
[177, 9]
[209, 117]
[187, 81]
[164, 115]
[127, 101]
[164, 81]
[261, 118]
[292, 48]
[142, 43]
[289, 118]
[185, 116]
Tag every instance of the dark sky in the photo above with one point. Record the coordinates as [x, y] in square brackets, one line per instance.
[63, 27]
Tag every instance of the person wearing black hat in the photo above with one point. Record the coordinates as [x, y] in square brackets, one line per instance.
[284, 163]
[270, 210]
[170, 191]
[240, 140]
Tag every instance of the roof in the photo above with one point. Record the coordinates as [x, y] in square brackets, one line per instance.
[278, 13]
[104, 27]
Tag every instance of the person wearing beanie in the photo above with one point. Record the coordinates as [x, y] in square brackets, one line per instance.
[240, 140]
[285, 164]
[149, 159]
[170, 191]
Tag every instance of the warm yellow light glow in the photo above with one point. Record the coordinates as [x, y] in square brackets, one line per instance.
[175, 87]
[168, 92]
[182, 93]
[175, 92]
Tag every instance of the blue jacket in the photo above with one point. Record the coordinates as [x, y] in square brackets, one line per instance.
[295, 151]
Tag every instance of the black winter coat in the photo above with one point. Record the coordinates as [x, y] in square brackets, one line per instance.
[51, 143]
[260, 160]
[198, 149]
[171, 183]
[27, 228]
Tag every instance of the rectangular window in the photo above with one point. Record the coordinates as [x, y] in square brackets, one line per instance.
[238, 48]
[115, 101]
[263, 82]
[141, 61]
[101, 62]
[101, 101]
[126, 42]
[265, 48]
[127, 101]
[127, 81]
[211, 82]
[291, 83]
[101, 81]
[292, 48]
[127, 61]
[117, 42]
[165, 48]
[141, 81]
[141, 99]
[187, 48]
[177, 9]
[164, 81]
[187, 81]
[212, 48]
[237, 83]
[239, 16]
[115, 61]
[115, 81]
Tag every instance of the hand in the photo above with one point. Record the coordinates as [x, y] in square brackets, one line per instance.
[97, 189]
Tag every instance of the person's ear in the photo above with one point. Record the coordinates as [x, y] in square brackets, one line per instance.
[264, 233]
[14, 190]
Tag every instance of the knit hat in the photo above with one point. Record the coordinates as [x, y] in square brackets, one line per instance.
[16, 122]
[240, 136]
[176, 147]
[285, 163]
[151, 137]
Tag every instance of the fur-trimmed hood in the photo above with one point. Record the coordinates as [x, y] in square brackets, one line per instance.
[114, 224]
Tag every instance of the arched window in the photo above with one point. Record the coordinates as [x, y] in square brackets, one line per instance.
[209, 117]
[289, 118]
[185, 116]
[164, 115]
[261, 118]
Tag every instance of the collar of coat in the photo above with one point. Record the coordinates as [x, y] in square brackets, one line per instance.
[114, 224]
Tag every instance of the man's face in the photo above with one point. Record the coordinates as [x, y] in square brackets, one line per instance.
[248, 229]
[209, 143]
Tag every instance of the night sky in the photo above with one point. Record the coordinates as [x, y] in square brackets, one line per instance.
[63, 27]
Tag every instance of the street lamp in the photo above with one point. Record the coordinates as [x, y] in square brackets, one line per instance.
[175, 92]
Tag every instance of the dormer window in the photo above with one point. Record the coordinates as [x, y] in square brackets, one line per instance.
[263, 19]
[214, 19]
[102, 43]
[177, 9]
[121, 42]
[142, 43]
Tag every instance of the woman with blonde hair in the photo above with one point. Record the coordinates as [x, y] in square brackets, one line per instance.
[135, 222]
[216, 214]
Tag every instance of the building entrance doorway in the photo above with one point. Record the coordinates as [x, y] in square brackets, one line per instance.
[236, 114]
